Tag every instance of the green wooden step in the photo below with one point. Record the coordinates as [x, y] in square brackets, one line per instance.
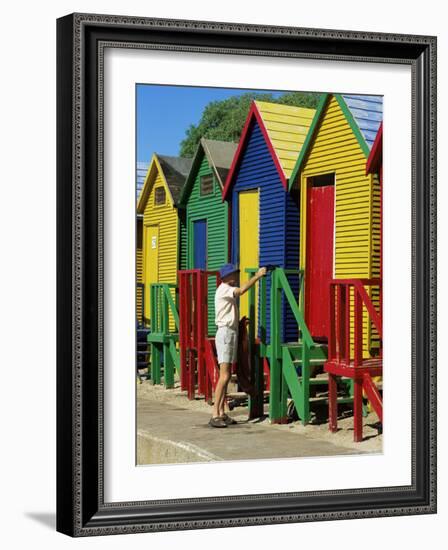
[313, 361]
[317, 381]
[322, 380]
[317, 355]
[162, 338]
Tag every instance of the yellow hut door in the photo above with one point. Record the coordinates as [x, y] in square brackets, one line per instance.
[151, 265]
[248, 243]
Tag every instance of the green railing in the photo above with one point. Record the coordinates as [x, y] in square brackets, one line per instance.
[254, 317]
[164, 312]
[283, 373]
[279, 284]
[161, 305]
[257, 346]
[283, 356]
[262, 305]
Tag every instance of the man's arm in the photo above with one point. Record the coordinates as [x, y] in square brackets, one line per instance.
[239, 291]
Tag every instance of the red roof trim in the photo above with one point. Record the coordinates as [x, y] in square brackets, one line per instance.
[376, 154]
[253, 112]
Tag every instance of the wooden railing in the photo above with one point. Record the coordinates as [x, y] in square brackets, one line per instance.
[162, 338]
[281, 365]
[348, 301]
[193, 333]
[162, 304]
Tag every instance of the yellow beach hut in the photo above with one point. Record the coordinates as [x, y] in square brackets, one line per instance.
[158, 205]
[340, 204]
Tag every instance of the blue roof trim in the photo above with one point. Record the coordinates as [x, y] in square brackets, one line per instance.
[367, 110]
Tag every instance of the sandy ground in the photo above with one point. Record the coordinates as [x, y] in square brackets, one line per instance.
[372, 443]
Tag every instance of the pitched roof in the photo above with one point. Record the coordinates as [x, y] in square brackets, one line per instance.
[287, 127]
[219, 156]
[367, 110]
[284, 127]
[364, 114]
[173, 171]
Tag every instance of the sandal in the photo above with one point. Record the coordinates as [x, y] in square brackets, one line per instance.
[228, 419]
[217, 422]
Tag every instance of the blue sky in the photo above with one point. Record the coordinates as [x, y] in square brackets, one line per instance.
[165, 112]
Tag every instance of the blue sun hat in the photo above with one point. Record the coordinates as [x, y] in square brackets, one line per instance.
[227, 269]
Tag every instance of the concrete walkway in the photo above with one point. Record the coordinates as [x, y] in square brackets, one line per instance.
[169, 433]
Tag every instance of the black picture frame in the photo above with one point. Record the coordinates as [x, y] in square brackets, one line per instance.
[81, 510]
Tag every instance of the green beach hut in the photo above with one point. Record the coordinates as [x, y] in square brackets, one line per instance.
[204, 215]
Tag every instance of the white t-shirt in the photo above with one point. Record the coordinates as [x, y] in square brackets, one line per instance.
[226, 309]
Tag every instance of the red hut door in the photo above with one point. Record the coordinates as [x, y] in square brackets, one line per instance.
[319, 253]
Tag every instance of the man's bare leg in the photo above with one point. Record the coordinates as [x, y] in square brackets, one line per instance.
[221, 388]
[223, 410]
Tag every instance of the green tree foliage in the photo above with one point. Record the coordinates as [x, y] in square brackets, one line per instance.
[224, 120]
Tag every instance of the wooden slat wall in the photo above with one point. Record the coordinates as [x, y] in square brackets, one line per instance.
[183, 239]
[336, 150]
[139, 268]
[214, 210]
[376, 250]
[277, 212]
[292, 240]
[287, 126]
[165, 216]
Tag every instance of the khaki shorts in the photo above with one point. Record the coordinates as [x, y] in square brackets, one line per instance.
[226, 340]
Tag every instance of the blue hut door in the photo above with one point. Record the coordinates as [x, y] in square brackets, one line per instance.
[200, 244]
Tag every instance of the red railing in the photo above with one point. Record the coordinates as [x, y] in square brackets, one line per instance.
[342, 309]
[193, 332]
[348, 300]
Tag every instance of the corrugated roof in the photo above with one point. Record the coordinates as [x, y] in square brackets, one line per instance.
[287, 127]
[364, 113]
[376, 153]
[367, 110]
[175, 170]
[142, 168]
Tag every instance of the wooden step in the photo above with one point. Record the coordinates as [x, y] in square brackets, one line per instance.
[324, 400]
[299, 343]
[314, 361]
[318, 381]
[322, 379]
[161, 338]
[241, 395]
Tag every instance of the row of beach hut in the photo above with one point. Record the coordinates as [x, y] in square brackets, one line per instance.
[297, 191]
